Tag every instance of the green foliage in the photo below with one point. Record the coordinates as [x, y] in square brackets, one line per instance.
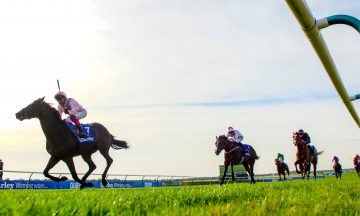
[321, 197]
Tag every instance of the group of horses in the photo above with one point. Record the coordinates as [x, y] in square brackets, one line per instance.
[304, 158]
[233, 156]
[62, 146]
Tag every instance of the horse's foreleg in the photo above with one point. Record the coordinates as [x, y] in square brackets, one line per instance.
[314, 171]
[295, 164]
[90, 163]
[109, 161]
[226, 165]
[70, 164]
[51, 163]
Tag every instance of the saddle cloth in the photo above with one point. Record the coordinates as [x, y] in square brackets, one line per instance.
[89, 138]
[247, 153]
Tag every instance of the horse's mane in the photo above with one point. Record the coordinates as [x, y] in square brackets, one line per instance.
[222, 137]
[52, 110]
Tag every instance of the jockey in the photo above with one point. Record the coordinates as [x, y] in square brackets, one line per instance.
[71, 107]
[280, 157]
[357, 158]
[335, 159]
[235, 136]
[306, 139]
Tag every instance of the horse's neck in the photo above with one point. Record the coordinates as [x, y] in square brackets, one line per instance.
[300, 146]
[229, 146]
[50, 124]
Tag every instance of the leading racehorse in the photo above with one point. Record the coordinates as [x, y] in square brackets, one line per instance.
[304, 157]
[61, 144]
[233, 156]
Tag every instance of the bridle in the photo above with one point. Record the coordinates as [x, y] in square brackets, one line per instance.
[232, 150]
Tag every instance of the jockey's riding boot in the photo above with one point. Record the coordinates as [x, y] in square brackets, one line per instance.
[81, 130]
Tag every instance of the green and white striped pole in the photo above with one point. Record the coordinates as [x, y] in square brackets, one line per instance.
[311, 28]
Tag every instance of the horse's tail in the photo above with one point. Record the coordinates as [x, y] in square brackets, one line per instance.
[320, 152]
[118, 144]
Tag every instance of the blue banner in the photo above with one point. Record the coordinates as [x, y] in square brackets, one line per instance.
[36, 184]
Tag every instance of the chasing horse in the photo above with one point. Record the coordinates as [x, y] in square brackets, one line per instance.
[62, 144]
[235, 156]
[357, 164]
[337, 169]
[281, 168]
[304, 157]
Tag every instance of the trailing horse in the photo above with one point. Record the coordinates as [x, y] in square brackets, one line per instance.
[281, 168]
[233, 156]
[304, 158]
[337, 169]
[62, 145]
[357, 167]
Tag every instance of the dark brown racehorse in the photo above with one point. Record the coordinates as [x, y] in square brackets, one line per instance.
[304, 158]
[337, 169]
[233, 156]
[281, 168]
[357, 166]
[61, 145]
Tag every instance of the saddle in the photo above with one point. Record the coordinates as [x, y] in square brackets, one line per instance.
[89, 138]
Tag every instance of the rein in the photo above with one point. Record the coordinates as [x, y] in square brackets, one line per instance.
[231, 150]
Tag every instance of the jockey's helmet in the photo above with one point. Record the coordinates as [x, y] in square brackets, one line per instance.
[301, 131]
[59, 95]
[230, 129]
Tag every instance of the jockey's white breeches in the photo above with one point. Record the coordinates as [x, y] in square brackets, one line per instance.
[79, 115]
[238, 139]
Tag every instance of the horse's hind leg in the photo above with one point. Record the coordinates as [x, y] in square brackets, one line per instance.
[249, 168]
[109, 161]
[314, 171]
[51, 163]
[90, 163]
[232, 172]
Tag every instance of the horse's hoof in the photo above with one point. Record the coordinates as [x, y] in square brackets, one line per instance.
[104, 183]
[63, 178]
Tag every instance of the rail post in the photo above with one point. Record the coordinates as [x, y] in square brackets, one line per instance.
[311, 28]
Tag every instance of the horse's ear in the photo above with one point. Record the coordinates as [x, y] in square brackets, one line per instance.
[216, 137]
[42, 98]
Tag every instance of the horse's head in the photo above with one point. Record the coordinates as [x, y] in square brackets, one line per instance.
[220, 144]
[297, 139]
[277, 161]
[31, 111]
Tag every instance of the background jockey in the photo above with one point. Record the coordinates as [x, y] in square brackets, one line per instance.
[235, 136]
[335, 159]
[71, 107]
[357, 158]
[280, 157]
[1, 168]
[306, 139]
